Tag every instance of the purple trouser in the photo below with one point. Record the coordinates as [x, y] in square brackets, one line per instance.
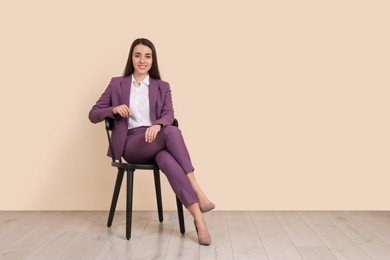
[170, 153]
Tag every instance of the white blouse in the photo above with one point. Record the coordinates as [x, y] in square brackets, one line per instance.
[139, 104]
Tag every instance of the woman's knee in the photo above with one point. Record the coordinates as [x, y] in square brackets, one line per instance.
[163, 158]
[171, 130]
[162, 155]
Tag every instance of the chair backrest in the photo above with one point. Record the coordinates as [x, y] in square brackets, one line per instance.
[109, 124]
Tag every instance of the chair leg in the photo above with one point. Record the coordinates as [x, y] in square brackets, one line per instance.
[157, 185]
[117, 188]
[180, 215]
[129, 202]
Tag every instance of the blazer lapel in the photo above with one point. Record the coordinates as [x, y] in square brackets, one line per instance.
[126, 87]
[153, 91]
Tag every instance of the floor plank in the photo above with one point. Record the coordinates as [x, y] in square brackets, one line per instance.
[246, 243]
[221, 246]
[276, 242]
[340, 245]
[17, 224]
[383, 216]
[117, 246]
[372, 224]
[183, 246]
[358, 234]
[93, 239]
[305, 240]
[235, 235]
[65, 234]
[153, 243]
[31, 236]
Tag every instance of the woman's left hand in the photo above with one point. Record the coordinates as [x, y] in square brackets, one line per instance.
[151, 133]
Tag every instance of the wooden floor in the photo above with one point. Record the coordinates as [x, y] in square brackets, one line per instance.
[236, 235]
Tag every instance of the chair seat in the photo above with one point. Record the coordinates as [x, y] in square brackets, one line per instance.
[132, 166]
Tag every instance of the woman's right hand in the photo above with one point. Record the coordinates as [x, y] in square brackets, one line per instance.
[122, 110]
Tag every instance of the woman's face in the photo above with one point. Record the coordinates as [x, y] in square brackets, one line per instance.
[142, 59]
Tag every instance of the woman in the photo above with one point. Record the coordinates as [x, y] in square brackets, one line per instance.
[141, 104]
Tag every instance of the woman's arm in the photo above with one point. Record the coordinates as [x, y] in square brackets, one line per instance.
[167, 113]
[103, 108]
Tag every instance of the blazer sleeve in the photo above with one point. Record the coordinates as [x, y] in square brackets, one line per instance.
[167, 113]
[103, 107]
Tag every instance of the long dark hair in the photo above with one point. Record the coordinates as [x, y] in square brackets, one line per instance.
[129, 69]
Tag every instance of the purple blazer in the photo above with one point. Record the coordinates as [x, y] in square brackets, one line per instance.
[118, 93]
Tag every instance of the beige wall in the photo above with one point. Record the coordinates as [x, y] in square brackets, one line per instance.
[283, 104]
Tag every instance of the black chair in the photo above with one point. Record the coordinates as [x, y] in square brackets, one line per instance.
[130, 169]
